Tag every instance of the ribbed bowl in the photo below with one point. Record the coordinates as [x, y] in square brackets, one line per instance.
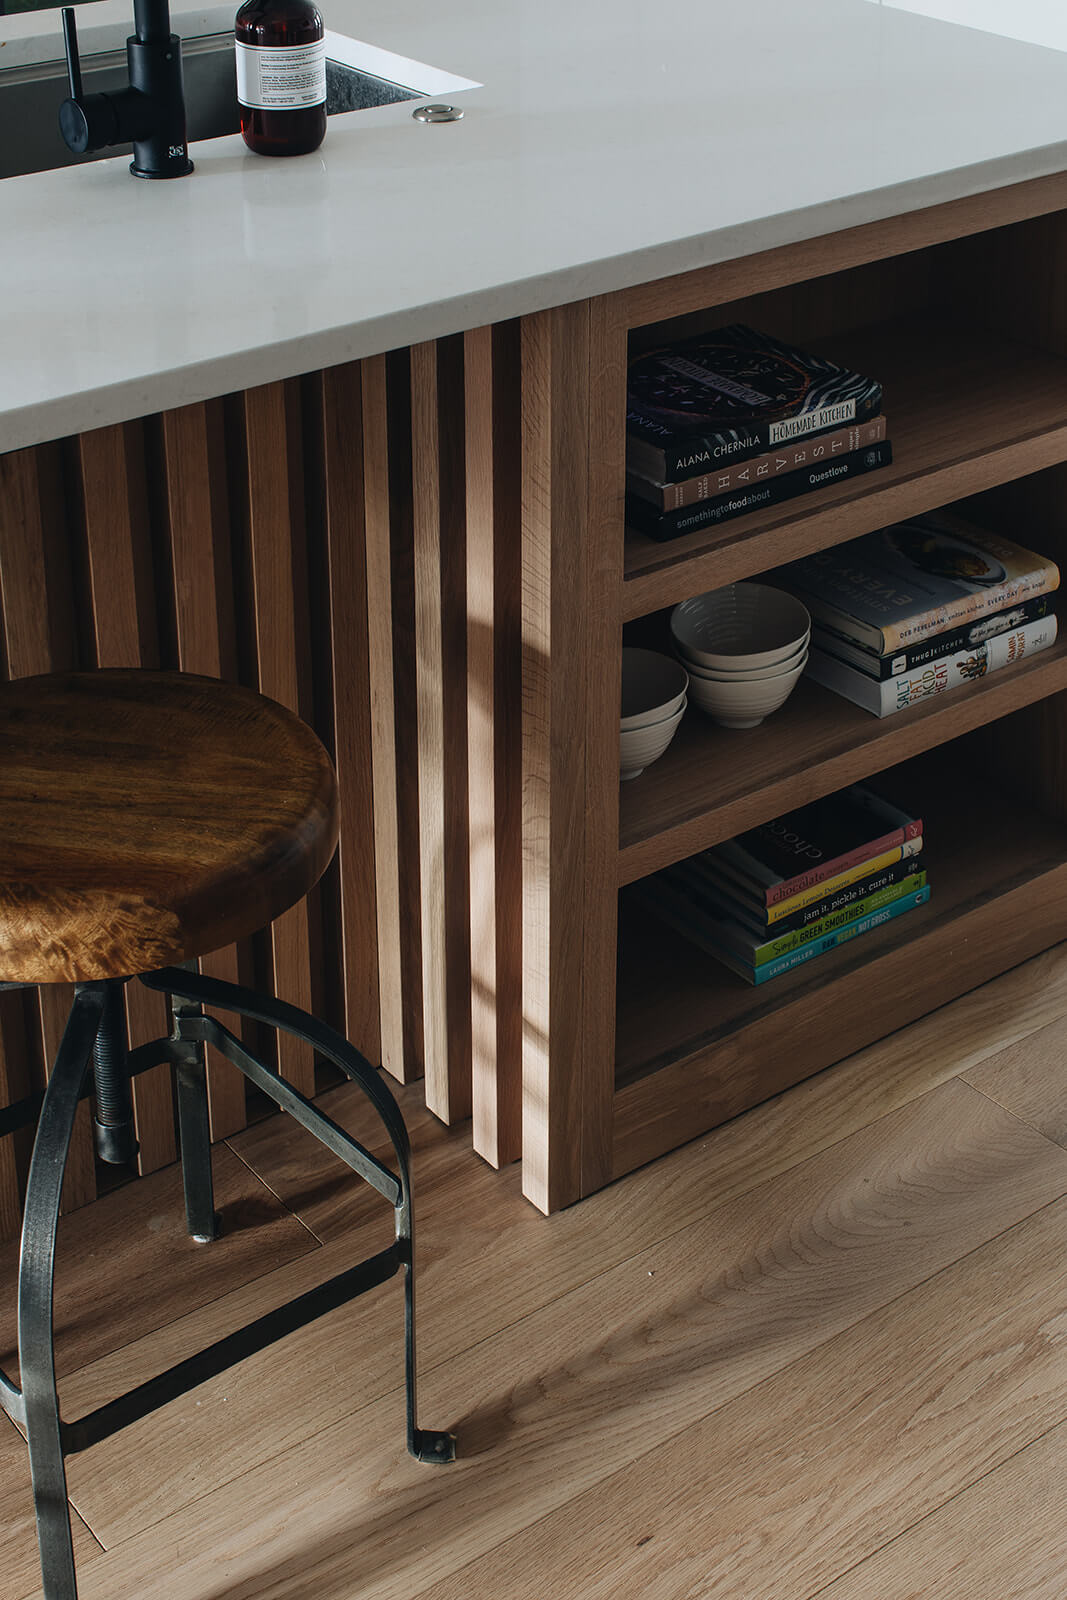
[639, 747]
[741, 627]
[653, 687]
[744, 705]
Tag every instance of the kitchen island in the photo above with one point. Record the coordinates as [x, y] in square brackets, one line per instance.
[351, 428]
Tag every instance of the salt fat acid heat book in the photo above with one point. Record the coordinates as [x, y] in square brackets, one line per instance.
[701, 403]
[914, 580]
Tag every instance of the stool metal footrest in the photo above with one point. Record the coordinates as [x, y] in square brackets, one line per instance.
[35, 1405]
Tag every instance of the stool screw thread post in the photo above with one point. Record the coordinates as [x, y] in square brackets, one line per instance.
[116, 1142]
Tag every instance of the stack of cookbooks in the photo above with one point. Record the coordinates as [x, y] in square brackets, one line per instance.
[796, 887]
[733, 420]
[916, 609]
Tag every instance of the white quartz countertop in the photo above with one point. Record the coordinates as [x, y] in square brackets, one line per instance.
[611, 142]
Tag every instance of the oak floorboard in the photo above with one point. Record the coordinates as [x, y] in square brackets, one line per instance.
[19, 1561]
[126, 1265]
[1028, 1079]
[561, 1400]
[978, 1546]
[780, 1491]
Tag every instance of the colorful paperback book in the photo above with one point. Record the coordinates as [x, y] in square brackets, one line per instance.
[664, 525]
[937, 677]
[724, 878]
[698, 403]
[902, 584]
[741, 475]
[735, 937]
[790, 854]
[773, 969]
[966, 637]
[727, 902]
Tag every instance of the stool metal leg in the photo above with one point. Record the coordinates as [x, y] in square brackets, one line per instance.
[36, 1271]
[424, 1444]
[190, 1061]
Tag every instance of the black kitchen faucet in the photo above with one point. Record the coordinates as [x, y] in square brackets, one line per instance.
[149, 112]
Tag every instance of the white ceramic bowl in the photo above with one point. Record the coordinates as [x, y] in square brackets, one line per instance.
[754, 674]
[743, 626]
[653, 687]
[639, 747]
[744, 705]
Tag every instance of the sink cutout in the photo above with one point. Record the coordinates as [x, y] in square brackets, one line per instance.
[358, 78]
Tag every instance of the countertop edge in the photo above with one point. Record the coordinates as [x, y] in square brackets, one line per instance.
[42, 421]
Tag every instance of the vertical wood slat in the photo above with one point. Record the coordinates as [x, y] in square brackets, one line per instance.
[345, 514]
[493, 602]
[112, 469]
[570, 664]
[274, 522]
[201, 585]
[440, 655]
[39, 635]
[389, 897]
[555, 349]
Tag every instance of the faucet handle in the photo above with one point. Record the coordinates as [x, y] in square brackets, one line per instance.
[87, 122]
[70, 45]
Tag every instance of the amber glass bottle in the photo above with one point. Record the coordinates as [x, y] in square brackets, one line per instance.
[281, 76]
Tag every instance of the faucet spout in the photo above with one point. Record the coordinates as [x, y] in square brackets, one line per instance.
[151, 21]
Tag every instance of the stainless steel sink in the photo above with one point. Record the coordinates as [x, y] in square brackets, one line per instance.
[30, 98]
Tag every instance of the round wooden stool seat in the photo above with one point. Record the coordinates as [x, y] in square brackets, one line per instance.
[150, 817]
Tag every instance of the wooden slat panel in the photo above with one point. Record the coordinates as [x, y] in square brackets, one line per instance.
[494, 718]
[389, 897]
[555, 376]
[202, 597]
[112, 469]
[440, 654]
[14, 1083]
[39, 631]
[340, 394]
[275, 524]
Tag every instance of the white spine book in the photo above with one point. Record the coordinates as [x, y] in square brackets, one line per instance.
[936, 677]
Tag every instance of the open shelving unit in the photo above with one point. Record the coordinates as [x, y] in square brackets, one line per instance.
[636, 1041]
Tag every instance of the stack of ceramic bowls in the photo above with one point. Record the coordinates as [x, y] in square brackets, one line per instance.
[744, 647]
[653, 704]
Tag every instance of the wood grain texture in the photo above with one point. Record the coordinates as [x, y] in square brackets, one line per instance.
[395, 1004]
[1002, 1535]
[561, 1401]
[19, 1559]
[124, 634]
[494, 727]
[555, 401]
[199, 577]
[149, 817]
[37, 562]
[344, 489]
[1026, 1078]
[166, 1274]
[280, 623]
[441, 713]
[827, 1460]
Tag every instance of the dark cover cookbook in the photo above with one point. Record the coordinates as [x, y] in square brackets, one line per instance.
[805, 847]
[697, 403]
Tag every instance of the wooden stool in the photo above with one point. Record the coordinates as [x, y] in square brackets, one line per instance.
[149, 818]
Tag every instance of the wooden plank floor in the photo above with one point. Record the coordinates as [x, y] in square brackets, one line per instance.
[821, 1351]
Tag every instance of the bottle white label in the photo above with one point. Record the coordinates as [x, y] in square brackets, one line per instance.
[270, 78]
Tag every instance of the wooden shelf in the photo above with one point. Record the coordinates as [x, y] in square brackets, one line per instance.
[696, 1044]
[967, 411]
[714, 782]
